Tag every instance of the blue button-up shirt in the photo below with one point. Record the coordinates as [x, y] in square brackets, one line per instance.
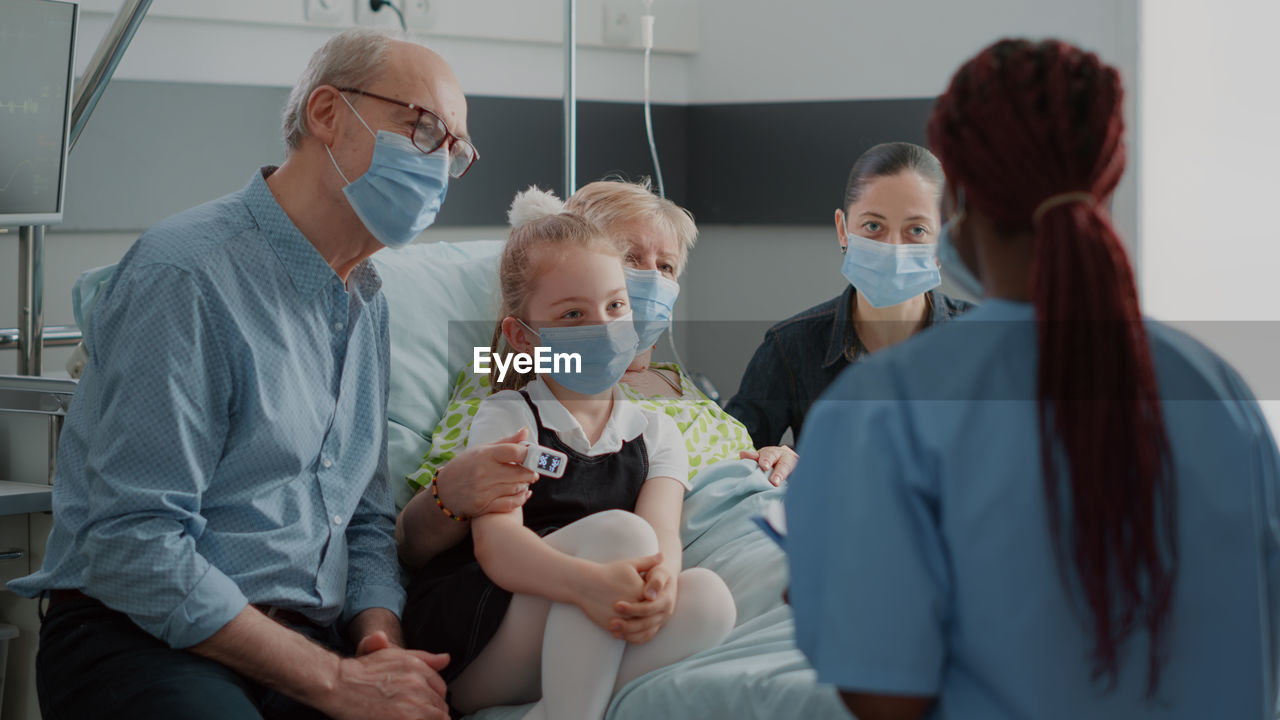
[227, 443]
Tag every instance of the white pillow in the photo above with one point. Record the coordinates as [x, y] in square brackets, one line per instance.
[405, 449]
[442, 302]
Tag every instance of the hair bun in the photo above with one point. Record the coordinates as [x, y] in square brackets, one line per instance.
[533, 204]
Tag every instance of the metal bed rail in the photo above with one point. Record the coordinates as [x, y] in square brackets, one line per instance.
[54, 336]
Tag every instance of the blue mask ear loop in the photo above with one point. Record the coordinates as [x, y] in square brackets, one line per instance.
[526, 327]
[362, 122]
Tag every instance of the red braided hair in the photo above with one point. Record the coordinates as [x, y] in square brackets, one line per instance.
[1023, 122]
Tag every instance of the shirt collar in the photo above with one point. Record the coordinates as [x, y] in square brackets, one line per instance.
[306, 267]
[942, 309]
[365, 278]
[844, 341]
[625, 421]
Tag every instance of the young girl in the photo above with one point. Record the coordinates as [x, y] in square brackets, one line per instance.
[535, 603]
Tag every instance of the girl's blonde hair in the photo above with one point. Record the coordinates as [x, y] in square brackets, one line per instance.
[612, 203]
[538, 220]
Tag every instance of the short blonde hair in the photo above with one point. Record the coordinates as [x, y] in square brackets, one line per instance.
[613, 203]
[352, 58]
[540, 221]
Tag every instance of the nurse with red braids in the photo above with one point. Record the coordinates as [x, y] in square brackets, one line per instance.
[1052, 507]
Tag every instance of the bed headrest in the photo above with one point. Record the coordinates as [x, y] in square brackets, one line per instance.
[442, 302]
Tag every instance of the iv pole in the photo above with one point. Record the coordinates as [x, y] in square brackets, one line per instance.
[570, 97]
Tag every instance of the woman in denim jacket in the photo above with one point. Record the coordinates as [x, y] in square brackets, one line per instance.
[887, 231]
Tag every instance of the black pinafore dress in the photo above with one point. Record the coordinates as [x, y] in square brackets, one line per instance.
[453, 607]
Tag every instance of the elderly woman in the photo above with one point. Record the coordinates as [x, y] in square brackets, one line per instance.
[659, 234]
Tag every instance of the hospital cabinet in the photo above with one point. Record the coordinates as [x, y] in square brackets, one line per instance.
[32, 410]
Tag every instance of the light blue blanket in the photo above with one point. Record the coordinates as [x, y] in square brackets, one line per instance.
[757, 672]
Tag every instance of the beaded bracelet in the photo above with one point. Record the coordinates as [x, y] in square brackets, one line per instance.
[435, 493]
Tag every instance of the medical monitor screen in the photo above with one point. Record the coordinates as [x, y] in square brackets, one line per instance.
[37, 46]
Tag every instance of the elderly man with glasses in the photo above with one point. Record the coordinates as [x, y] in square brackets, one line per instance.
[223, 542]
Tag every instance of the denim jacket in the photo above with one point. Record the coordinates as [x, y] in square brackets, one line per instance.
[799, 358]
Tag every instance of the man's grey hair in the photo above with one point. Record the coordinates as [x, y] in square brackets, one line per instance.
[352, 58]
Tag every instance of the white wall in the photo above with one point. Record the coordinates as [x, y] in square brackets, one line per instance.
[751, 50]
[1210, 158]
[272, 51]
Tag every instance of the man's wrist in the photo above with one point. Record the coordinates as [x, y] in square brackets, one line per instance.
[320, 695]
[275, 656]
[371, 620]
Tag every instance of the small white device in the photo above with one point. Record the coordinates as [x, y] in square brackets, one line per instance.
[545, 461]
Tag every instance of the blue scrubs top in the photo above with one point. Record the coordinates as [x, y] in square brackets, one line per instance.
[921, 563]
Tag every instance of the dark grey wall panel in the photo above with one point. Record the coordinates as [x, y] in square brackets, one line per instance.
[521, 144]
[786, 163]
[154, 149]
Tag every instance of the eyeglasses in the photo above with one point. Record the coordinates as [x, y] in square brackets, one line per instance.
[430, 133]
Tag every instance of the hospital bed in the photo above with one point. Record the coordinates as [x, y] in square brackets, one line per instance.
[443, 302]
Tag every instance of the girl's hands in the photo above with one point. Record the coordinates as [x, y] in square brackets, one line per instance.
[778, 458]
[608, 583]
[638, 622]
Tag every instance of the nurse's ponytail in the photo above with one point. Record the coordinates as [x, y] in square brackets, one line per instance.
[1032, 133]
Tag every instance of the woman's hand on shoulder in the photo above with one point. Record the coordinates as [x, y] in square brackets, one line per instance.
[777, 460]
[487, 478]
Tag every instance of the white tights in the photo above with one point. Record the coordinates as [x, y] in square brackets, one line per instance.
[582, 665]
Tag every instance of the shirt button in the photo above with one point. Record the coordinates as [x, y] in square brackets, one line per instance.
[327, 463]
[338, 326]
[337, 519]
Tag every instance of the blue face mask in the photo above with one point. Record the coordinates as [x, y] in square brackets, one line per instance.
[403, 189]
[606, 351]
[957, 272]
[653, 296]
[887, 274]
